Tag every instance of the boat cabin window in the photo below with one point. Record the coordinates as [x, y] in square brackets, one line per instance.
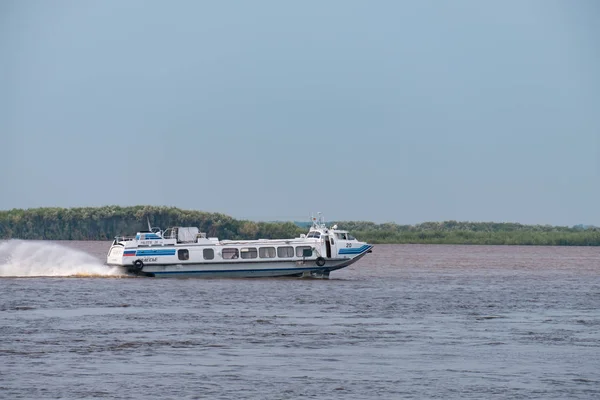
[266, 252]
[350, 237]
[230, 253]
[341, 235]
[183, 254]
[300, 251]
[314, 235]
[249, 252]
[285, 252]
[208, 254]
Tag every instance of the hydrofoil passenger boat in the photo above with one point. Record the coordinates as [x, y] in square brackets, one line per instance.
[185, 252]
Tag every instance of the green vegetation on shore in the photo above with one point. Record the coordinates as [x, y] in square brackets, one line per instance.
[104, 223]
[453, 232]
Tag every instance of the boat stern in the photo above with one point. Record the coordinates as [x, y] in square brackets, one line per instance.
[115, 255]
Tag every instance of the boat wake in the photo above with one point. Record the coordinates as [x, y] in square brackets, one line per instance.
[20, 258]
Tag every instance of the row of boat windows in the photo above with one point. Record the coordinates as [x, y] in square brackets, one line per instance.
[231, 253]
[341, 236]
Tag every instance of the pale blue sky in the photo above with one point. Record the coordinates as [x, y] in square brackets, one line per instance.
[404, 111]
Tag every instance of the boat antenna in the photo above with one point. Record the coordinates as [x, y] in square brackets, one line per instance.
[318, 221]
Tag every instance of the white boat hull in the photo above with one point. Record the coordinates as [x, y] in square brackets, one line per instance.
[188, 254]
[248, 269]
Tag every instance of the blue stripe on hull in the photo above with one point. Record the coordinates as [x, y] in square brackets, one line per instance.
[155, 253]
[356, 250]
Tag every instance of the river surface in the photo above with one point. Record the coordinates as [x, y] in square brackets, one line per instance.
[405, 322]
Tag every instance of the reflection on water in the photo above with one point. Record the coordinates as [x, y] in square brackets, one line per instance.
[407, 321]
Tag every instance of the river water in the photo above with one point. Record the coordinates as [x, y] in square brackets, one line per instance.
[405, 322]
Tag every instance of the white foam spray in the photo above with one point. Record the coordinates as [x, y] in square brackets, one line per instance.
[19, 258]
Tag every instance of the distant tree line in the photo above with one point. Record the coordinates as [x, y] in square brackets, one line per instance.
[496, 233]
[104, 223]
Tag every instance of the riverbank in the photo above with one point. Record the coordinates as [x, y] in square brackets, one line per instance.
[104, 223]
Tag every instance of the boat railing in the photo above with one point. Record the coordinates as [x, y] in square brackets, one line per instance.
[169, 233]
[124, 238]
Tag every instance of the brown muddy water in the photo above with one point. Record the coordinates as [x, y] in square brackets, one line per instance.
[405, 322]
